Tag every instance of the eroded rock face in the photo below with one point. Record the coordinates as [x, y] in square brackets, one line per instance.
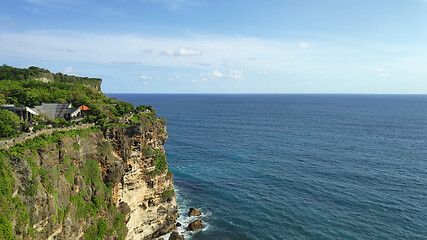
[151, 215]
[71, 184]
[194, 212]
[196, 225]
[176, 236]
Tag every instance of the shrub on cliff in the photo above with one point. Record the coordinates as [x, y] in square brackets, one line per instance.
[168, 194]
[123, 108]
[60, 122]
[160, 163]
[143, 108]
[148, 151]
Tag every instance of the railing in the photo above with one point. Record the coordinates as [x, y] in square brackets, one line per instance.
[5, 144]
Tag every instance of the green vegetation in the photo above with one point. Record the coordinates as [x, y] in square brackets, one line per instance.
[135, 119]
[43, 140]
[18, 74]
[105, 148]
[76, 146]
[32, 92]
[160, 163]
[60, 122]
[97, 231]
[83, 208]
[10, 124]
[92, 175]
[46, 180]
[62, 213]
[144, 108]
[167, 194]
[119, 226]
[17, 223]
[70, 173]
[123, 108]
[19, 87]
[148, 151]
[39, 127]
[148, 116]
[11, 208]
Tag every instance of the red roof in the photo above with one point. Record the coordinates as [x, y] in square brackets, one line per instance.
[84, 108]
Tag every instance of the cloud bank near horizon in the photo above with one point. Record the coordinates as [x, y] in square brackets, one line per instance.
[212, 58]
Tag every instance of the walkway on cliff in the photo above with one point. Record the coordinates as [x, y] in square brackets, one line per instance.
[5, 144]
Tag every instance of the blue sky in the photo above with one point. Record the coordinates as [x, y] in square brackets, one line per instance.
[224, 46]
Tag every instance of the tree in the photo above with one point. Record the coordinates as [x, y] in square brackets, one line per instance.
[10, 124]
[122, 108]
[2, 99]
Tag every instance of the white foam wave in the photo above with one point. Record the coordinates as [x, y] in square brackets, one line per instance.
[184, 206]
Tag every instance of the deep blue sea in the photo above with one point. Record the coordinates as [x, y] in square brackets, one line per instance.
[298, 166]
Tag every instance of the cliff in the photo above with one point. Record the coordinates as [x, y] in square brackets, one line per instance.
[44, 75]
[108, 182]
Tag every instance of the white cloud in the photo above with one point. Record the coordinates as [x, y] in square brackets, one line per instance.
[145, 83]
[304, 45]
[181, 52]
[232, 74]
[70, 71]
[203, 80]
[235, 74]
[215, 74]
[381, 72]
[213, 51]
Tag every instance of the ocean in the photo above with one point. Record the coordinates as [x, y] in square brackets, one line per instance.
[298, 166]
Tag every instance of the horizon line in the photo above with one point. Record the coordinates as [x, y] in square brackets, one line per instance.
[218, 93]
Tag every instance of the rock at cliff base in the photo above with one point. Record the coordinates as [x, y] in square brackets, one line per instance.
[176, 236]
[196, 225]
[194, 212]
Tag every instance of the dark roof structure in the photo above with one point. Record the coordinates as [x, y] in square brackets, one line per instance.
[57, 109]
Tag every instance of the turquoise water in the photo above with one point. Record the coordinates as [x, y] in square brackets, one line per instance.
[298, 166]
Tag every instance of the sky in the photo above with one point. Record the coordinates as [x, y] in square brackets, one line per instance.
[223, 46]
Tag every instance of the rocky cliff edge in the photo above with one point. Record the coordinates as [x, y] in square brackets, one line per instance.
[109, 182]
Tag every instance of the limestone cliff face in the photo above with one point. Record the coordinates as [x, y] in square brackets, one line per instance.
[105, 184]
[151, 212]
